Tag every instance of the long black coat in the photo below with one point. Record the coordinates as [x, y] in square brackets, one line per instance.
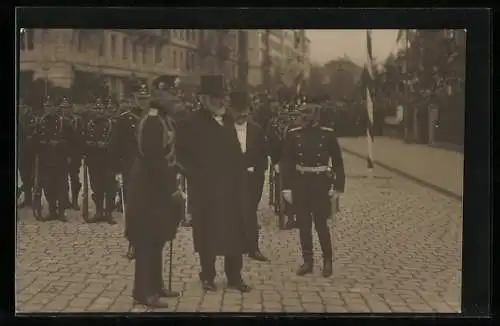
[217, 185]
[256, 158]
[152, 214]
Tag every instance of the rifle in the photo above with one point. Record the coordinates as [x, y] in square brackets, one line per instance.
[37, 190]
[85, 192]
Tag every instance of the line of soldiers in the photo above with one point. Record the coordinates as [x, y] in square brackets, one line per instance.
[55, 140]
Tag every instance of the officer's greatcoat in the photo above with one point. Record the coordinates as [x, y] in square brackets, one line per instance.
[152, 214]
[216, 175]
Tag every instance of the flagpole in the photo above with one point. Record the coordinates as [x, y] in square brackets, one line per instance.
[369, 103]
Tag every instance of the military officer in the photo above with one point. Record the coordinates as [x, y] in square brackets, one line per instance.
[100, 148]
[28, 119]
[54, 133]
[308, 184]
[152, 197]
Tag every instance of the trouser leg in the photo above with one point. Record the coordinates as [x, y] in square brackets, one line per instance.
[207, 262]
[320, 223]
[233, 264]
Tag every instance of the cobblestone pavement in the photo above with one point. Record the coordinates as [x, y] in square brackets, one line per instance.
[397, 249]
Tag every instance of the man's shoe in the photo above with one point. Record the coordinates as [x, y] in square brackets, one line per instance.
[152, 302]
[306, 268]
[327, 268]
[209, 286]
[258, 256]
[241, 286]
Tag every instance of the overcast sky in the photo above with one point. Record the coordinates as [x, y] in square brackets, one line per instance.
[331, 44]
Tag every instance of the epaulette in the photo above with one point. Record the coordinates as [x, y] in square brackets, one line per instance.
[123, 113]
[294, 129]
[326, 129]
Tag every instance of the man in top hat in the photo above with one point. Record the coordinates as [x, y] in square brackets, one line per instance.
[308, 181]
[152, 204]
[216, 170]
[253, 145]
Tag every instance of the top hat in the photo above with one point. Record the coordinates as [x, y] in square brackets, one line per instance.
[212, 85]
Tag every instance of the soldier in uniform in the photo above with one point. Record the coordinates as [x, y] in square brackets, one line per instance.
[28, 120]
[100, 147]
[75, 153]
[307, 151]
[54, 133]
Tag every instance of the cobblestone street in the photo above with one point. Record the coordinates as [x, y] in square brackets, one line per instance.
[397, 248]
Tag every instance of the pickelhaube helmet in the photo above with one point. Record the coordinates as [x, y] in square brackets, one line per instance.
[143, 92]
[47, 103]
[65, 103]
[98, 105]
[109, 103]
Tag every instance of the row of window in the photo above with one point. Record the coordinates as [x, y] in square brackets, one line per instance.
[139, 53]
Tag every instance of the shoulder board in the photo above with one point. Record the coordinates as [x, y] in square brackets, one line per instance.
[124, 113]
[294, 129]
[326, 129]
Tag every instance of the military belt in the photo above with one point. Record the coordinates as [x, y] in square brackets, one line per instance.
[312, 169]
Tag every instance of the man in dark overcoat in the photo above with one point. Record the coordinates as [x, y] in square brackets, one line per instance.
[215, 167]
[254, 148]
[152, 204]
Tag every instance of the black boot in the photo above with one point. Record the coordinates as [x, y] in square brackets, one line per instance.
[327, 267]
[108, 217]
[305, 268]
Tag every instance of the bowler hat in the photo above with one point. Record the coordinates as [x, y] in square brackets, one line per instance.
[239, 100]
[212, 85]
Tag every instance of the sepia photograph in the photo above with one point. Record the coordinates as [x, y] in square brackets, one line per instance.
[239, 170]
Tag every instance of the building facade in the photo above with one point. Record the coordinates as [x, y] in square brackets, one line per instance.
[120, 55]
[277, 52]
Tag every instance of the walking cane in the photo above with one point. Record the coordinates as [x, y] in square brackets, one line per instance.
[130, 252]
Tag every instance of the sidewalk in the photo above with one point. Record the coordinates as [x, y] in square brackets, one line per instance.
[434, 167]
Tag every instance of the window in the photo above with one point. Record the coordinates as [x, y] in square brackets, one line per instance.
[113, 46]
[158, 51]
[174, 59]
[125, 46]
[181, 34]
[102, 49]
[134, 52]
[181, 60]
[188, 35]
[144, 54]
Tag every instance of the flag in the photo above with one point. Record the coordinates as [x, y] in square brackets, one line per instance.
[369, 80]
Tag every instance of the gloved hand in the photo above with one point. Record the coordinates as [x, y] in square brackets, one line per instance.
[277, 168]
[119, 179]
